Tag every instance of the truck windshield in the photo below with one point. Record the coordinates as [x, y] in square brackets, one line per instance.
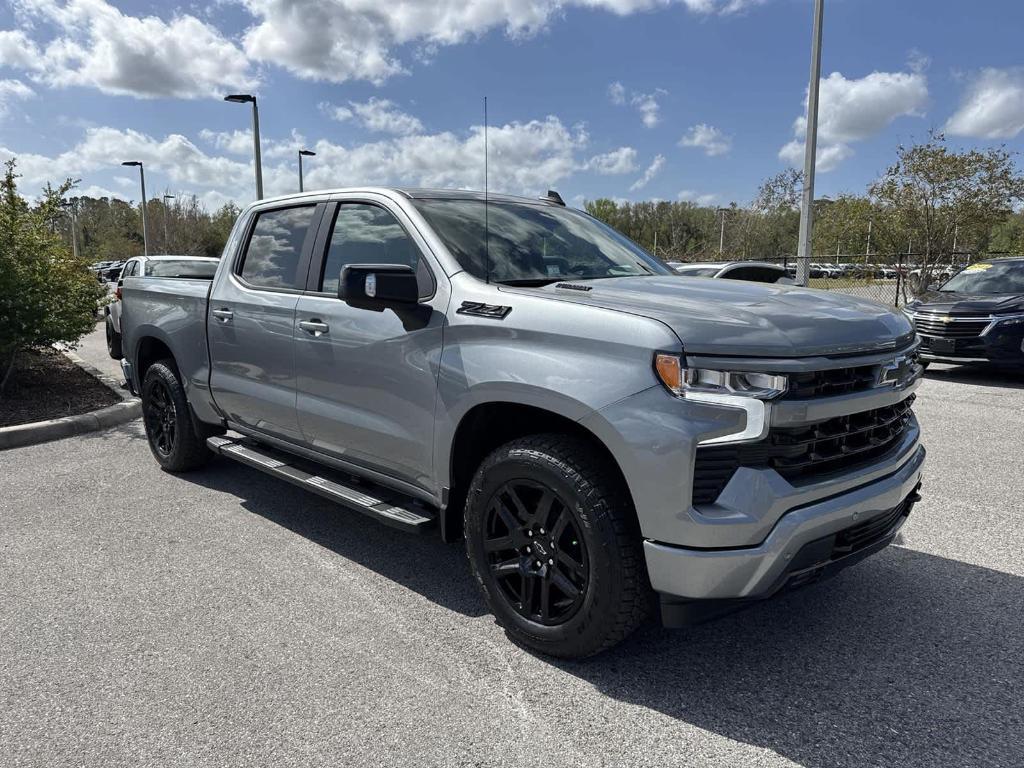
[534, 244]
[989, 277]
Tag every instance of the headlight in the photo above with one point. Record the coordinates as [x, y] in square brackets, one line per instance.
[1008, 321]
[690, 382]
[744, 390]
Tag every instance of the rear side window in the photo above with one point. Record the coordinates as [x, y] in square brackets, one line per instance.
[275, 248]
[368, 234]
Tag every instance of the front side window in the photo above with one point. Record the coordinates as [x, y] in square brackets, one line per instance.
[275, 248]
[528, 244]
[369, 234]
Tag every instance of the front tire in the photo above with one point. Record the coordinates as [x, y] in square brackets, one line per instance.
[555, 546]
[168, 419]
[113, 340]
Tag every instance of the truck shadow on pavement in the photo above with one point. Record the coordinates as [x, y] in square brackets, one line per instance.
[905, 660]
[424, 564]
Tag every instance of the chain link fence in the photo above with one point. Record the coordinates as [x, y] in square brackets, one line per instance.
[886, 278]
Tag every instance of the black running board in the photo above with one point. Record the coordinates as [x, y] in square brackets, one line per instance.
[374, 501]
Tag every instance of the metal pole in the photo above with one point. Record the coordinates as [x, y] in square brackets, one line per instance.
[721, 236]
[74, 234]
[810, 151]
[300, 170]
[655, 242]
[256, 149]
[166, 249]
[145, 235]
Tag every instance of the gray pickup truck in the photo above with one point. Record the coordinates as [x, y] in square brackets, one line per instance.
[603, 434]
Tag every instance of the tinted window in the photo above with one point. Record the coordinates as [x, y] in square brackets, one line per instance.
[181, 268]
[533, 244]
[272, 257]
[755, 274]
[702, 272]
[368, 234]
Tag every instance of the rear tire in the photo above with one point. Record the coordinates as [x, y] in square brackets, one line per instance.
[165, 411]
[113, 340]
[555, 546]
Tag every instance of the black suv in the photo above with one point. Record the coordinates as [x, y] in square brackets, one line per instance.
[977, 317]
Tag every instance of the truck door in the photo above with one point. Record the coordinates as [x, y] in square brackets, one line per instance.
[252, 313]
[366, 378]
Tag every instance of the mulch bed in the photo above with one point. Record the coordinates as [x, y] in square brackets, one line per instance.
[46, 385]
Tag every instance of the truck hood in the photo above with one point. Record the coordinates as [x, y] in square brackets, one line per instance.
[969, 303]
[733, 317]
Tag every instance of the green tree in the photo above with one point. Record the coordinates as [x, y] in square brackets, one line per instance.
[46, 295]
[933, 195]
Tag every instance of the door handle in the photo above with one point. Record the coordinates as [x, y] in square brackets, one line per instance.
[222, 314]
[314, 327]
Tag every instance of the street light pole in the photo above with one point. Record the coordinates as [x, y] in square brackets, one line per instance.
[166, 198]
[303, 153]
[74, 226]
[142, 180]
[721, 232]
[248, 98]
[803, 266]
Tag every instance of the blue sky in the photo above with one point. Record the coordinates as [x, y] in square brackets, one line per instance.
[630, 99]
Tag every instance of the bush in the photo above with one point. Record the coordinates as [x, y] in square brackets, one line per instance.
[46, 295]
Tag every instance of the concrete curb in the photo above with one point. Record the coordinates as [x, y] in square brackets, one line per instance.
[129, 409]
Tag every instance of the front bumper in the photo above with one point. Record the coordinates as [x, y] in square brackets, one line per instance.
[996, 346]
[757, 572]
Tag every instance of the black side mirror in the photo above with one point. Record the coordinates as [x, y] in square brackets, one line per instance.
[378, 284]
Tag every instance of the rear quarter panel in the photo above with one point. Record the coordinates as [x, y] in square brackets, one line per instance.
[172, 311]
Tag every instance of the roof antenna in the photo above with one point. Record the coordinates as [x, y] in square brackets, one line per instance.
[487, 223]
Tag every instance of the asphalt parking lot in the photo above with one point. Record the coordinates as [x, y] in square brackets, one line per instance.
[223, 618]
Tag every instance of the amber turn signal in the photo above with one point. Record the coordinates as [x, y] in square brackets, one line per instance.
[670, 370]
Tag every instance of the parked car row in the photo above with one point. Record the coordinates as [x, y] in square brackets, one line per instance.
[107, 271]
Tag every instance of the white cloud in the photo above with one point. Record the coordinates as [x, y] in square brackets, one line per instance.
[383, 116]
[621, 160]
[992, 107]
[99, 46]
[617, 93]
[13, 90]
[708, 138]
[652, 170]
[235, 142]
[648, 107]
[703, 200]
[828, 157]
[357, 39]
[526, 157]
[852, 110]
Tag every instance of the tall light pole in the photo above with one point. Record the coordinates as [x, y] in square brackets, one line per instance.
[803, 266]
[721, 231]
[142, 180]
[248, 98]
[67, 204]
[303, 153]
[166, 198]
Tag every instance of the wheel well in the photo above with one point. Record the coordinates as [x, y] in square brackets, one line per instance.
[490, 425]
[150, 350]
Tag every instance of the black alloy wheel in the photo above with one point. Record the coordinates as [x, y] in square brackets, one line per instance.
[161, 418]
[536, 552]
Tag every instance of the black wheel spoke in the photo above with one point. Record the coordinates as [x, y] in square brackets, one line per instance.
[545, 599]
[526, 595]
[499, 544]
[525, 518]
[505, 568]
[565, 586]
[506, 517]
[560, 523]
[567, 560]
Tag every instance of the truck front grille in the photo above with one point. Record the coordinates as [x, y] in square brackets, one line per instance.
[837, 381]
[808, 451]
[948, 327]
